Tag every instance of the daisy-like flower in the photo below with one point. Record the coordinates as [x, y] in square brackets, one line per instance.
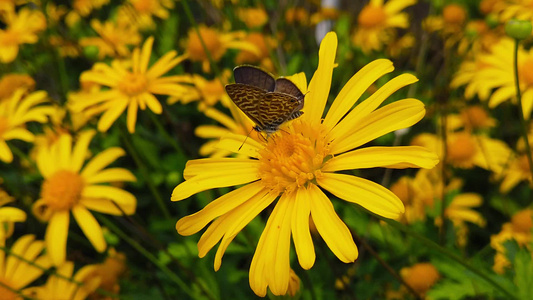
[70, 187]
[8, 215]
[450, 24]
[129, 88]
[15, 112]
[498, 74]
[517, 171]
[114, 38]
[217, 44]
[377, 23]
[466, 150]
[296, 164]
[473, 117]
[514, 9]
[22, 28]
[420, 277]
[206, 92]
[82, 284]
[17, 273]
[141, 13]
[253, 17]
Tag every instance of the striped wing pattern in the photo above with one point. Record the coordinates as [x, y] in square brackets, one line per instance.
[266, 101]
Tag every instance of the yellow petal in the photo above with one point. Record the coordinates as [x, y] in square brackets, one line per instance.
[100, 161]
[80, 150]
[65, 150]
[145, 55]
[112, 114]
[238, 219]
[152, 103]
[320, 84]
[90, 227]
[56, 237]
[330, 227]
[398, 157]
[224, 164]
[121, 197]
[397, 115]
[19, 134]
[238, 143]
[368, 194]
[108, 207]
[5, 153]
[19, 248]
[354, 88]
[111, 175]
[270, 264]
[363, 109]
[131, 116]
[192, 224]
[303, 243]
[211, 179]
[12, 214]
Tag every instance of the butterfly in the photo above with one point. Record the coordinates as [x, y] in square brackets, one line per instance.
[268, 102]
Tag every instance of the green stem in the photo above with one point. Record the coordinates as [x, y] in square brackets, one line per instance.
[520, 109]
[132, 151]
[430, 244]
[183, 286]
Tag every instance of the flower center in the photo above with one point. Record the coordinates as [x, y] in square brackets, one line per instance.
[211, 41]
[371, 16]
[144, 6]
[62, 190]
[526, 72]
[293, 157]
[133, 84]
[5, 292]
[454, 14]
[404, 190]
[461, 149]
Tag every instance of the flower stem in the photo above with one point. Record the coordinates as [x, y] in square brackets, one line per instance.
[446, 252]
[132, 151]
[520, 108]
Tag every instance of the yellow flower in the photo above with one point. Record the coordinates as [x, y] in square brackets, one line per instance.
[377, 23]
[517, 170]
[514, 9]
[471, 118]
[519, 229]
[12, 82]
[59, 287]
[449, 25]
[264, 46]
[206, 92]
[466, 150]
[498, 74]
[85, 7]
[296, 164]
[253, 17]
[141, 13]
[8, 215]
[420, 277]
[15, 112]
[65, 47]
[70, 187]
[109, 272]
[297, 15]
[216, 43]
[132, 88]
[15, 272]
[114, 38]
[22, 28]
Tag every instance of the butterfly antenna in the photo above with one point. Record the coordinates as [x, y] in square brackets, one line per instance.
[245, 139]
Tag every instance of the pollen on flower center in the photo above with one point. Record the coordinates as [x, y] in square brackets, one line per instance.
[133, 84]
[62, 190]
[293, 157]
[371, 16]
[526, 72]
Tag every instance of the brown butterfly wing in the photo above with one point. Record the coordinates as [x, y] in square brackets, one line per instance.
[276, 108]
[285, 86]
[254, 76]
[247, 98]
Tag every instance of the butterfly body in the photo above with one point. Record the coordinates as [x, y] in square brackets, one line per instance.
[268, 102]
